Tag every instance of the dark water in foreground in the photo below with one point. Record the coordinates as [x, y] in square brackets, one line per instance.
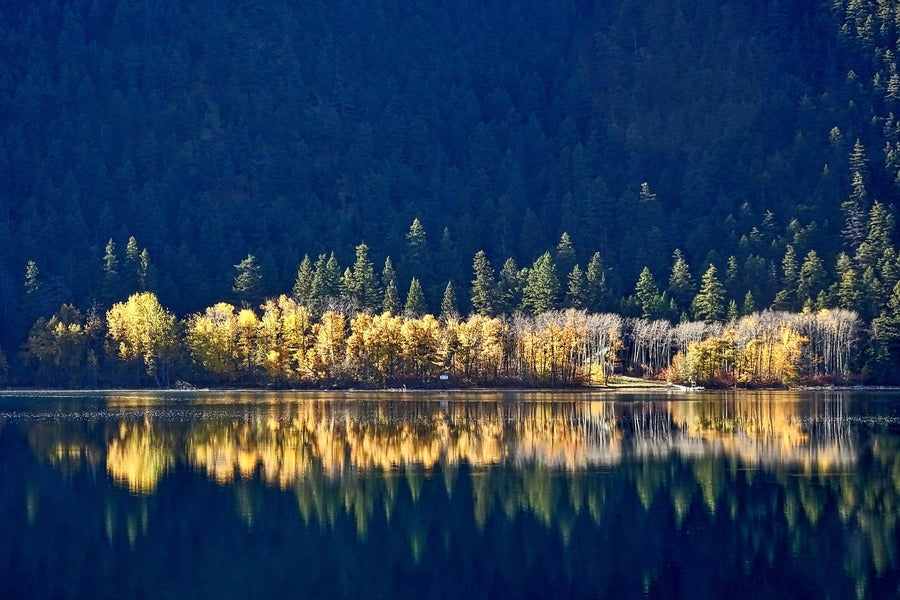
[499, 495]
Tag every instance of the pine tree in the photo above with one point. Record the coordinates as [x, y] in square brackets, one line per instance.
[509, 288]
[681, 282]
[303, 284]
[749, 305]
[786, 298]
[565, 254]
[542, 287]
[647, 294]
[34, 303]
[811, 278]
[391, 302]
[33, 283]
[484, 290]
[415, 259]
[859, 163]
[733, 313]
[595, 280]
[111, 284]
[732, 276]
[576, 292]
[326, 284]
[878, 237]
[449, 309]
[363, 288]
[854, 231]
[886, 333]
[709, 304]
[415, 300]
[248, 281]
[146, 276]
[132, 266]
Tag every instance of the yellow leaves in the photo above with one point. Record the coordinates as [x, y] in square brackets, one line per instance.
[142, 329]
[767, 355]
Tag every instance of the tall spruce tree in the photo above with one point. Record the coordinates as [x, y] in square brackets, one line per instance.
[565, 257]
[647, 294]
[363, 288]
[576, 289]
[111, 285]
[131, 279]
[248, 281]
[595, 280]
[326, 284]
[484, 288]
[811, 278]
[709, 304]
[415, 300]
[681, 283]
[786, 297]
[391, 302]
[415, 258]
[509, 287]
[541, 290]
[449, 307]
[303, 283]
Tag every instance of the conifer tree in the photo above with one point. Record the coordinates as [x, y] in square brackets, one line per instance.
[248, 281]
[786, 298]
[732, 275]
[363, 288]
[132, 266]
[449, 309]
[33, 283]
[509, 287]
[854, 231]
[326, 283]
[146, 277]
[448, 265]
[878, 237]
[415, 259]
[749, 305]
[565, 257]
[415, 300]
[391, 302]
[886, 333]
[542, 287]
[846, 290]
[484, 291]
[811, 278]
[576, 290]
[647, 294]
[33, 302]
[303, 284]
[681, 282]
[595, 280]
[111, 283]
[709, 304]
[733, 313]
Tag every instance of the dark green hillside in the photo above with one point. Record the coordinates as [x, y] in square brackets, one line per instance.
[207, 131]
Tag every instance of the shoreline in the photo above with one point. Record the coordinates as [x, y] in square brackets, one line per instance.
[421, 391]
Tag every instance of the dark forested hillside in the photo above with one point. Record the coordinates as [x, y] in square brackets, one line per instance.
[154, 145]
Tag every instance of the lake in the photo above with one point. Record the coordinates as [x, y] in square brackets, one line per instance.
[450, 495]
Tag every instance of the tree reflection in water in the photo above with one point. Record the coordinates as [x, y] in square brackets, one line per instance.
[635, 495]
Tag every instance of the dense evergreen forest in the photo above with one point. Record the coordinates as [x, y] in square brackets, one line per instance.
[669, 162]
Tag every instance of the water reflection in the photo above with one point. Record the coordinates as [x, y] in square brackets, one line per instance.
[762, 481]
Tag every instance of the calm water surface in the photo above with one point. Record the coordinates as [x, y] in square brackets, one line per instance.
[456, 495]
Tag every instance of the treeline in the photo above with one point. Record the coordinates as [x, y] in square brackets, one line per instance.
[499, 126]
[286, 344]
[355, 325]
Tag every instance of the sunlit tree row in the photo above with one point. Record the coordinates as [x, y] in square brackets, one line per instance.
[284, 343]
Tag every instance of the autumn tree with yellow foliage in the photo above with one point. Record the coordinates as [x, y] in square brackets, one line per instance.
[143, 333]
